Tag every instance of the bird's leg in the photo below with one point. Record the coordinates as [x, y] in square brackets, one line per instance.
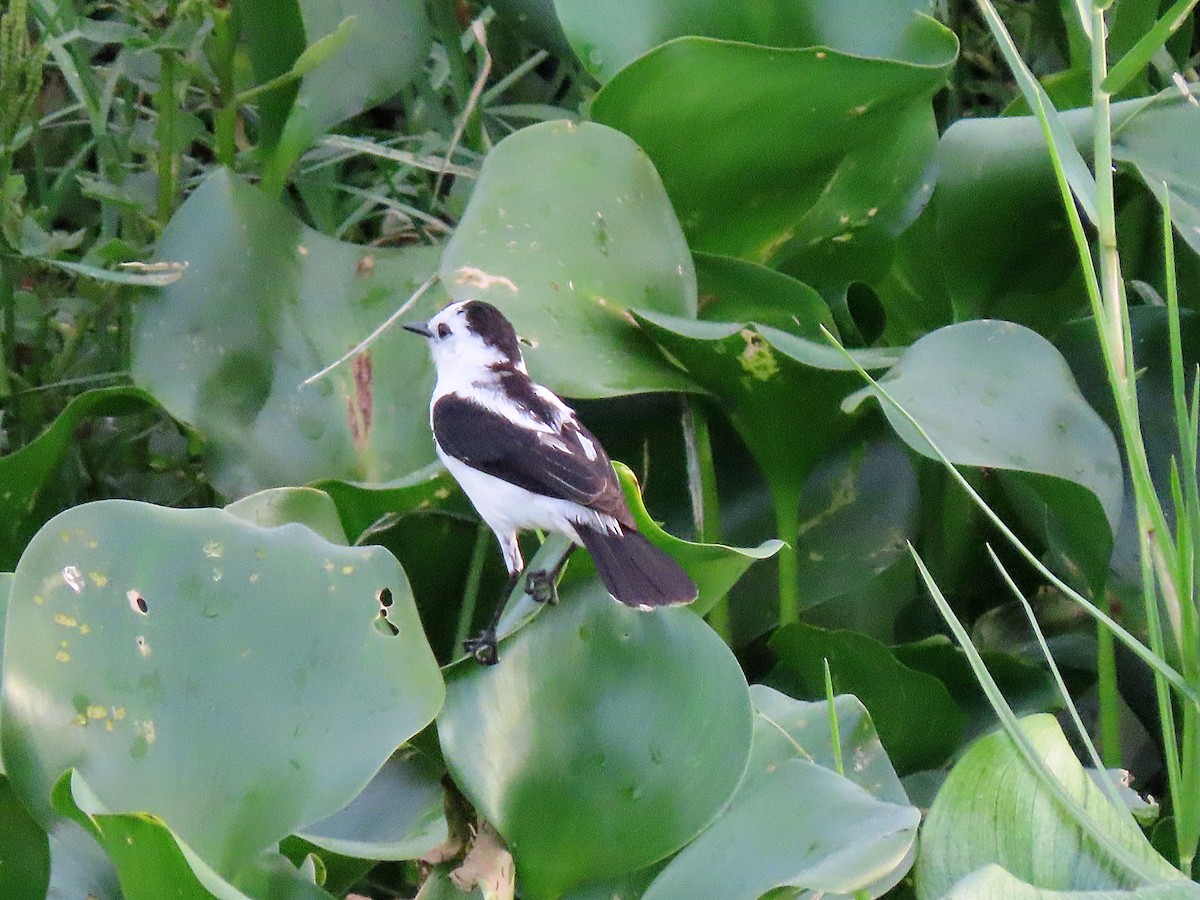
[484, 645]
[542, 584]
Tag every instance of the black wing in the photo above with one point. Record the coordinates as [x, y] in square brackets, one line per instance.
[553, 465]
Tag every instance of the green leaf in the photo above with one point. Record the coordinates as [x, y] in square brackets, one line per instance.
[608, 35]
[265, 303]
[1005, 244]
[993, 883]
[29, 472]
[824, 190]
[902, 701]
[992, 809]
[859, 509]
[598, 720]
[24, 850]
[278, 506]
[827, 833]
[566, 259]
[159, 275]
[1079, 176]
[387, 47]
[1157, 141]
[274, 38]
[714, 567]
[151, 862]
[997, 395]
[398, 815]
[137, 622]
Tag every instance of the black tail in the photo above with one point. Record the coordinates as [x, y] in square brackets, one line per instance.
[635, 571]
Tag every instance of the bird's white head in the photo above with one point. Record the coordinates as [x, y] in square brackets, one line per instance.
[469, 340]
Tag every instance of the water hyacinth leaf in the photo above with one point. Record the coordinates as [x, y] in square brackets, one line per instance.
[27, 473]
[79, 867]
[136, 621]
[918, 721]
[993, 883]
[998, 395]
[151, 862]
[829, 833]
[733, 289]
[758, 371]
[999, 215]
[265, 303]
[714, 567]
[859, 507]
[568, 227]
[386, 42]
[1158, 141]
[608, 36]
[633, 717]
[24, 850]
[398, 815]
[786, 197]
[278, 506]
[992, 797]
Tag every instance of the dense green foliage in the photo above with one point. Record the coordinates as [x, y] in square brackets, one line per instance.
[805, 266]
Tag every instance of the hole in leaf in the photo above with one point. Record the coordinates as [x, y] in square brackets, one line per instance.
[384, 627]
[385, 598]
[137, 602]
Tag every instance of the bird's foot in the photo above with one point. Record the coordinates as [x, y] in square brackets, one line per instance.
[483, 647]
[542, 587]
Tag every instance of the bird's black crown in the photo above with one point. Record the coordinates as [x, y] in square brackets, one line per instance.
[489, 324]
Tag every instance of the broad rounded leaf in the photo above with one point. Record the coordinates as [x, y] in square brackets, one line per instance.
[398, 815]
[1159, 141]
[136, 631]
[608, 35]
[278, 506]
[714, 567]
[568, 227]
[993, 883]
[152, 862]
[265, 303]
[823, 190]
[992, 809]
[24, 850]
[597, 721]
[996, 394]
[918, 721]
[26, 474]
[794, 820]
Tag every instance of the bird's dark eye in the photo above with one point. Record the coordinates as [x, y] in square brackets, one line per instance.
[443, 330]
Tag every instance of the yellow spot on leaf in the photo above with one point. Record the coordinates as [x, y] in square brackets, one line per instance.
[99, 579]
[39, 599]
[253, 577]
[347, 570]
[95, 711]
[64, 620]
[85, 629]
[80, 720]
[108, 725]
[119, 712]
[757, 359]
[62, 656]
[65, 535]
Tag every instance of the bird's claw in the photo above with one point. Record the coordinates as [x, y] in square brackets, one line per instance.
[483, 648]
[541, 587]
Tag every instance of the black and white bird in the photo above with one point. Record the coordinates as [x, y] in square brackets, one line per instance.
[524, 460]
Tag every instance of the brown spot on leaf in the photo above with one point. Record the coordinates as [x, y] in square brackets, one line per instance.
[365, 266]
[359, 406]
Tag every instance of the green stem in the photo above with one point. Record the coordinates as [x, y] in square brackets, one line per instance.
[168, 158]
[1106, 685]
[702, 486]
[466, 614]
[225, 118]
[8, 386]
[445, 24]
[787, 526]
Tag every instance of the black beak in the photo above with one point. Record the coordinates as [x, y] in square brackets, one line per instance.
[418, 328]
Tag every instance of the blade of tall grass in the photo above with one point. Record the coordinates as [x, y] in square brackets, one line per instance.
[1152, 659]
[1143, 51]
[1012, 727]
